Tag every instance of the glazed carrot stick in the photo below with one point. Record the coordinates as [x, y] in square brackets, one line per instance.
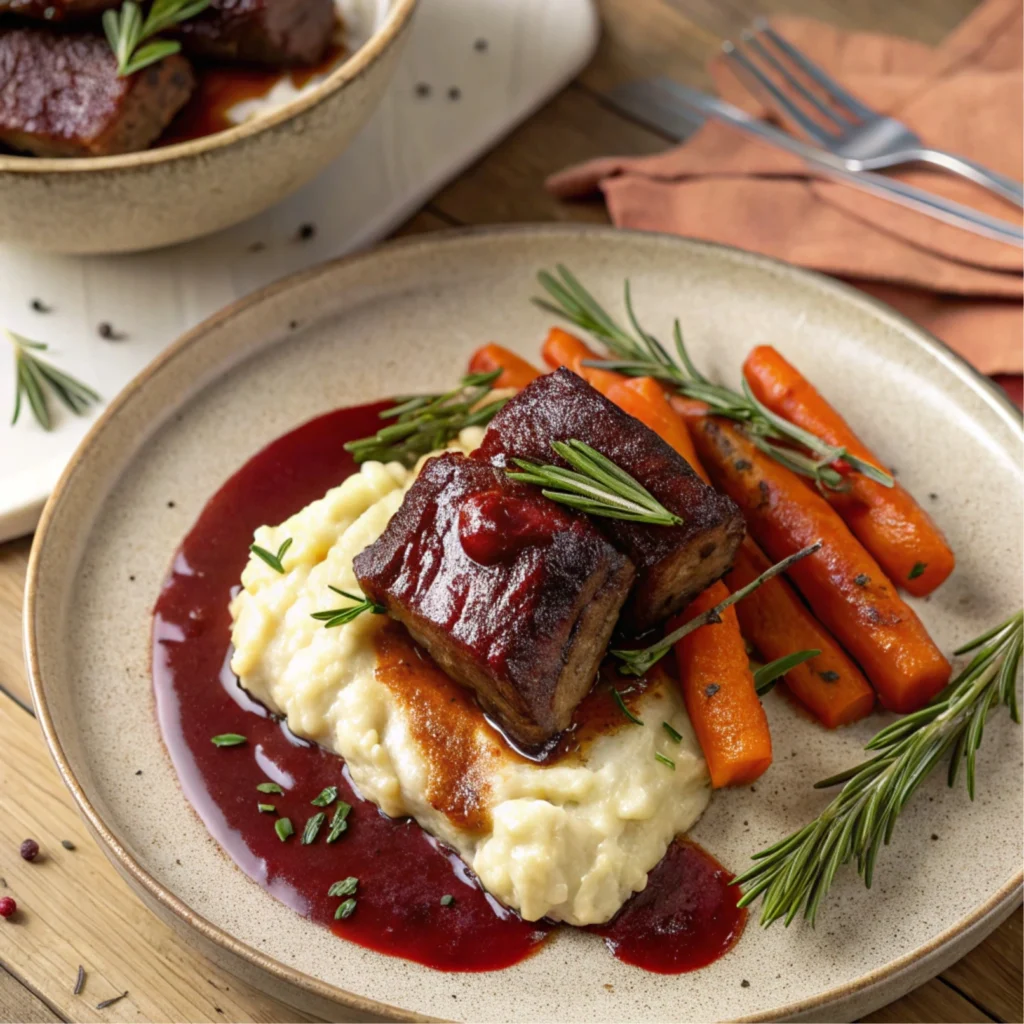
[516, 372]
[843, 584]
[564, 349]
[777, 623]
[718, 689]
[886, 520]
[773, 618]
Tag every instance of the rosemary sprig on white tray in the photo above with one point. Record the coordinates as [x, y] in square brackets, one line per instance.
[127, 29]
[425, 423]
[636, 663]
[594, 485]
[640, 354]
[342, 616]
[796, 873]
[37, 379]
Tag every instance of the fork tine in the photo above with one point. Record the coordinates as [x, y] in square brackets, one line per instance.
[833, 118]
[809, 68]
[810, 127]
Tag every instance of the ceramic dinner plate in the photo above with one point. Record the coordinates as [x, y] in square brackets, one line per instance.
[405, 318]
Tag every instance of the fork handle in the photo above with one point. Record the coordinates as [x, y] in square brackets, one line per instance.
[998, 183]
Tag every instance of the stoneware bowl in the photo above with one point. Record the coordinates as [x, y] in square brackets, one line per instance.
[179, 192]
[402, 319]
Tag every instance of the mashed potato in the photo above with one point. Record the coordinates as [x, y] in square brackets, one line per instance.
[569, 840]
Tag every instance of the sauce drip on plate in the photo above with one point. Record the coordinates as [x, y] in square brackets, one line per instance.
[684, 919]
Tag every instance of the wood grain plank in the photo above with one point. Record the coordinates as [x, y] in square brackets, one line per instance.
[17, 1003]
[73, 908]
[933, 1003]
[990, 975]
[507, 185]
[13, 561]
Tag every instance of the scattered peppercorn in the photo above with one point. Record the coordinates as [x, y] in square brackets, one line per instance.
[257, 247]
[742, 465]
[170, 504]
[422, 89]
[29, 849]
[933, 496]
[292, 324]
[454, 93]
[480, 45]
[7, 906]
[67, 844]
[38, 306]
[934, 837]
[306, 232]
[106, 331]
[744, 983]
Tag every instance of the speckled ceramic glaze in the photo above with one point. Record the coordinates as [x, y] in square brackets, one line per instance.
[175, 193]
[405, 318]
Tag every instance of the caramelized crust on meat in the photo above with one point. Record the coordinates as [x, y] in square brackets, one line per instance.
[60, 95]
[510, 594]
[277, 32]
[56, 10]
[673, 564]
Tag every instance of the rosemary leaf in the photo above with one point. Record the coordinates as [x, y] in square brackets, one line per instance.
[228, 739]
[274, 561]
[342, 616]
[665, 761]
[625, 710]
[594, 485]
[768, 675]
[796, 873]
[674, 733]
[127, 30]
[36, 378]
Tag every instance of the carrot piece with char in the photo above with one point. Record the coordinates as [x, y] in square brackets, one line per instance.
[843, 584]
[718, 689]
[564, 349]
[516, 372]
[777, 623]
[894, 528]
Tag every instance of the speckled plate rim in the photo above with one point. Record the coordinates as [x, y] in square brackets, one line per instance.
[351, 68]
[990, 913]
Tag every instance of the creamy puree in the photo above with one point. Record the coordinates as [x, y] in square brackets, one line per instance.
[569, 840]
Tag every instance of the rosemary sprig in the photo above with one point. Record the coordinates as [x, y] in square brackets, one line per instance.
[637, 662]
[595, 485]
[273, 560]
[424, 423]
[640, 354]
[127, 29]
[36, 379]
[341, 616]
[797, 872]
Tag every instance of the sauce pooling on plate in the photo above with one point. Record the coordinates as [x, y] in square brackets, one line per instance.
[435, 914]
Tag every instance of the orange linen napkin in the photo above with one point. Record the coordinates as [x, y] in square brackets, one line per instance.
[964, 96]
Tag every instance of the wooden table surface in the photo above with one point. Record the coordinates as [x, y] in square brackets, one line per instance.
[75, 908]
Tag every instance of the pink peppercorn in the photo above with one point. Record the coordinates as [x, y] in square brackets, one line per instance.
[7, 906]
[29, 849]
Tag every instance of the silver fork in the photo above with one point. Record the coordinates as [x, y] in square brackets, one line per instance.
[861, 137]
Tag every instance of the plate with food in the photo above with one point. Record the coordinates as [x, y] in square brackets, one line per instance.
[549, 622]
[180, 117]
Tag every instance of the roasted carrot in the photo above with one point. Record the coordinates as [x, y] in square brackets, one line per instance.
[843, 584]
[564, 349]
[516, 372]
[777, 623]
[718, 688]
[899, 533]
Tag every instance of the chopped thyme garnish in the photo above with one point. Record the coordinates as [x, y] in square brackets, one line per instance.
[665, 761]
[677, 736]
[862, 579]
[312, 829]
[274, 561]
[283, 828]
[346, 887]
[228, 739]
[711, 689]
[622, 707]
[267, 809]
[270, 787]
[829, 676]
[918, 570]
[338, 822]
[347, 909]
[326, 798]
